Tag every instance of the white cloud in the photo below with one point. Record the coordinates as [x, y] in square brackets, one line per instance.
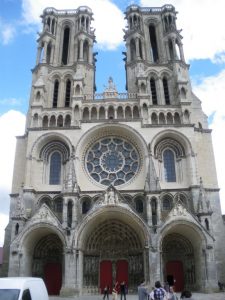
[108, 19]
[211, 92]
[203, 25]
[12, 124]
[11, 101]
[7, 32]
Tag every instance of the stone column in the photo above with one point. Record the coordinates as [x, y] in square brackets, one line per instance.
[38, 55]
[74, 221]
[81, 50]
[90, 58]
[137, 48]
[45, 52]
[181, 52]
[149, 211]
[68, 287]
[65, 207]
[80, 271]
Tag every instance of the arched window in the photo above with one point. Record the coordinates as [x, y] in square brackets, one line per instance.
[86, 205]
[85, 51]
[153, 91]
[153, 43]
[111, 112]
[132, 50]
[86, 113]
[154, 211]
[139, 205]
[120, 113]
[102, 113]
[207, 224]
[60, 121]
[68, 93]
[170, 44]
[166, 91]
[45, 121]
[169, 166]
[154, 118]
[140, 48]
[68, 121]
[55, 93]
[53, 26]
[17, 228]
[65, 50]
[166, 203]
[69, 213]
[55, 168]
[35, 120]
[48, 55]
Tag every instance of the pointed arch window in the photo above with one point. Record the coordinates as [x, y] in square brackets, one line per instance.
[132, 50]
[17, 228]
[153, 43]
[48, 56]
[68, 93]
[55, 93]
[55, 168]
[153, 91]
[166, 90]
[85, 51]
[169, 166]
[139, 205]
[154, 211]
[65, 50]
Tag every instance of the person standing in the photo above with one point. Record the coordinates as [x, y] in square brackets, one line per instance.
[115, 291]
[122, 290]
[159, 292]
[142, 291]
[106, 292]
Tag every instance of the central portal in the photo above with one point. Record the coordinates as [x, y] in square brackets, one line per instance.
[113, 253]
[112, 272]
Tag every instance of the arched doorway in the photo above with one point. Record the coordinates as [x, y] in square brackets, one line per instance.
[47, 262]
[113, 253]
[179, 261]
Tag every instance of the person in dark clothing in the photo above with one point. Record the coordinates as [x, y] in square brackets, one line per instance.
[122, 290]
[106, 292]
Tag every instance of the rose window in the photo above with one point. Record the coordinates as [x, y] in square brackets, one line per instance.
[112, 160]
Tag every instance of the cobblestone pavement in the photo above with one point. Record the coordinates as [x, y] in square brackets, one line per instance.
[195, 296]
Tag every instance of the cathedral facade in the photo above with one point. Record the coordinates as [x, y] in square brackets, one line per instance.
[114, 186]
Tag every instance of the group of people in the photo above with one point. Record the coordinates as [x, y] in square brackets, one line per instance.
[122, 288]
[160, 293]
[157, 293]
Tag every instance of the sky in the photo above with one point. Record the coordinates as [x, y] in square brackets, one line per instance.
[202, 23]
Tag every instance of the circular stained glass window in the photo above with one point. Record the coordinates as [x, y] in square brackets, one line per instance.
[112, 160]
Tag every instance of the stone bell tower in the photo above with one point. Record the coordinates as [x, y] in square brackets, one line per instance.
[65, 63]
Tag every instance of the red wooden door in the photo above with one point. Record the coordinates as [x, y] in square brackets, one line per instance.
[122, 272]
[175, 273]
[105, 274]
[53, 278]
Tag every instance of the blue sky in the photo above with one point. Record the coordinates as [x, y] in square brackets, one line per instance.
[204, 49]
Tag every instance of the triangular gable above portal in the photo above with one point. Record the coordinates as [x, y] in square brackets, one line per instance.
[180, 212]
[45, 215]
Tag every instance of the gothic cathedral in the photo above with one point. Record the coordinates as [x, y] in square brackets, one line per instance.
[114, 186]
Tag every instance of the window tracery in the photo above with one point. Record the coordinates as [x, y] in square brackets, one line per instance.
[112, 160]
